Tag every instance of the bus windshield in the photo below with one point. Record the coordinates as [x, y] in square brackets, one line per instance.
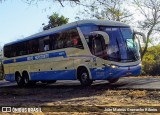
[122, 46]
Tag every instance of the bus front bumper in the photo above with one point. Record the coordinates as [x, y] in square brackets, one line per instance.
[110, 72]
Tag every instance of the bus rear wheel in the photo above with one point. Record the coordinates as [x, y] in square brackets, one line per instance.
[26, 80]
[19, 80]
[84, 77]
[113, 80]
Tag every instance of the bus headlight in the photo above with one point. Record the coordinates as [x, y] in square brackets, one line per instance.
[114, 66]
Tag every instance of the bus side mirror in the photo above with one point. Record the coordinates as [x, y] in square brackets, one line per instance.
[104, 34]
[144, 37]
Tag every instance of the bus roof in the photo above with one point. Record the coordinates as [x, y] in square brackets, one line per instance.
[69, 26]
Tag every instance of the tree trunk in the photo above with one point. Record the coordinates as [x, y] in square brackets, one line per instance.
[146, 44]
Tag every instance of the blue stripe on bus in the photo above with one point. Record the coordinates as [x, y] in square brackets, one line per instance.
[8, 61]
[53, 75]
[9, 77]
[48, 75]
[97, 74]
[37, 57]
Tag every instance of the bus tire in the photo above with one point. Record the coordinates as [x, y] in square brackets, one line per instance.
[26, 80]
[19, 79]
[83, 76]
[113, 80]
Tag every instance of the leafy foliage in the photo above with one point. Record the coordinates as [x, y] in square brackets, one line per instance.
[150, 10]
[106, 9]
[55, 20]
[151, 61]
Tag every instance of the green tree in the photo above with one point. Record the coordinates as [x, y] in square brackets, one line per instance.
[150, 10]
[55, 20]
[151, 61]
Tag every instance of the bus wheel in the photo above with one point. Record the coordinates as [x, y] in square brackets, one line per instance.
[114, 80]
[84, 77]
[27, 82]
[19, 80]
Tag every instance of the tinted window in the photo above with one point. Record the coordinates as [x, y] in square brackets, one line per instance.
[66, 39]
[55, 41]
[74, 40]
[97, 46]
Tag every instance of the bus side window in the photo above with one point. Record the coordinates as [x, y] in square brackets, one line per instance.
[76, 41]
[99, 46]
[46, 46]
[51, 42]
[8, 51]
[65, 39]
[43, 44]
[60, 41]
[35, 46]
[69, 41]
[17, 49]
[24, 45]
[55, 41]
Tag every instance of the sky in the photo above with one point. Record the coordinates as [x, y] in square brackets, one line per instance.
[19, 20]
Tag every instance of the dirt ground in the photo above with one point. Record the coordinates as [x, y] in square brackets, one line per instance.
[71, 97]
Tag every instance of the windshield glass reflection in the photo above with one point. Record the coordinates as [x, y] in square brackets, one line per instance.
[122, 46]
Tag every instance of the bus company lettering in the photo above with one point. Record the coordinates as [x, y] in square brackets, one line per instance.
[38, 57]
[61, 53]
[41, 56]
[29, 58]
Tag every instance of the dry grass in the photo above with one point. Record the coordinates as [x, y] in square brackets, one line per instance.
[137, 93]
[99, 95]
[148, 76]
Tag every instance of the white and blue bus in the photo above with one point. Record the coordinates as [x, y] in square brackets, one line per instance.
[85, 50]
